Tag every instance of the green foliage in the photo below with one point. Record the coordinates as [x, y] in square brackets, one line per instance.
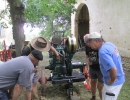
[36, 9]
[5, 17]
[125, 91]
[51, 15]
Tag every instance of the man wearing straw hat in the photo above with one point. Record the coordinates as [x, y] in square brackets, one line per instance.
[43, 45]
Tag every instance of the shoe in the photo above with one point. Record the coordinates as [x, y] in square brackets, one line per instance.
[93, 98]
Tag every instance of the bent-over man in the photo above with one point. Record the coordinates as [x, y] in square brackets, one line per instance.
[17, 72]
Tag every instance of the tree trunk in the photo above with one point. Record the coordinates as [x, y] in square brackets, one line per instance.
[17, 16]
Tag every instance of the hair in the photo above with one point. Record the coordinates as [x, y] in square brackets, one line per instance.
[85, 37]
[32, 57]
[99, 39]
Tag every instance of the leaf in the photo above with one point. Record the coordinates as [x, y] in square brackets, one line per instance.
[4, 25]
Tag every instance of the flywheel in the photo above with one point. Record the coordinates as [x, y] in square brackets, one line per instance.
[71, 44]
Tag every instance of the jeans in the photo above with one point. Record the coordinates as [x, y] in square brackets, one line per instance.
[4, 95]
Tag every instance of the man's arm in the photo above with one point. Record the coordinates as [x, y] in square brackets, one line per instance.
[55, 52]
[28, 94]
[17, 90]
[34, 90]
[113, 74]
[34, 85]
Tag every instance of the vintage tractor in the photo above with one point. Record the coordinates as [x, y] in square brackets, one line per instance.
[62, 69]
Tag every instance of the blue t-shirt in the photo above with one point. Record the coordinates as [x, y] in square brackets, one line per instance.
[109, 57]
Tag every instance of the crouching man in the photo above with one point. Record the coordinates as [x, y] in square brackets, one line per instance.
[17, 72]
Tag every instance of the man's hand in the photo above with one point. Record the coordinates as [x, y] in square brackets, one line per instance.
[58, 57]
[35, 70]
[89, 63]
[109, 81]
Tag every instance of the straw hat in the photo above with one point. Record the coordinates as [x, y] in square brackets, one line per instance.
[41, 44]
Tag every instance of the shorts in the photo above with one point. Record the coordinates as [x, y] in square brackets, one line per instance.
[35, 77]
[111, 92]
[96, 74]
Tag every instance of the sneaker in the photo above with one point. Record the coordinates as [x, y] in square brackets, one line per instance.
[93, 98]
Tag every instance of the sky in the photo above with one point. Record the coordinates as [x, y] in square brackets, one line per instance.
[7, 33]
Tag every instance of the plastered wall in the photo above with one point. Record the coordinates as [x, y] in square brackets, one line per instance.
[110, 18]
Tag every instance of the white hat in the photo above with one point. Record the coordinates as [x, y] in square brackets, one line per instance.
[94, 35]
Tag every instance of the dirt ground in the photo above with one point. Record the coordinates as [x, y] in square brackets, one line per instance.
[58, 92]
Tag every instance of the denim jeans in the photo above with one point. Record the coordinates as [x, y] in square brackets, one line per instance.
[4, 95]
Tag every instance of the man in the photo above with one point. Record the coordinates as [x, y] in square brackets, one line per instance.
[39, 43]
[110, 65]
[94, 70]
[17, 73]
[43, 45]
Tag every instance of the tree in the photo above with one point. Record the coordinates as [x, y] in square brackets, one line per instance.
[17, 17]
[36, 12]
[52, 15]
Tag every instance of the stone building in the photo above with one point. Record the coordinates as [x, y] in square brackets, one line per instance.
[108, 17]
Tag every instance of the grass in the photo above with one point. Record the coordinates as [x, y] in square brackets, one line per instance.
[125, 91]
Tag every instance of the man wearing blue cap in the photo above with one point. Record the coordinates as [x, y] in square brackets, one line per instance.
[17, 72]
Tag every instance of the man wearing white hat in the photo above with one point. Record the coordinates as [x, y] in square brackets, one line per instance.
[110, 65]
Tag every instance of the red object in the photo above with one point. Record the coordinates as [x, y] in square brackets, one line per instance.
[5, 54]
[40, 80]
[85, 72]
[87, 82]
[87, 86]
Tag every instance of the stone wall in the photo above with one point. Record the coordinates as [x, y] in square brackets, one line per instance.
[108, 17]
